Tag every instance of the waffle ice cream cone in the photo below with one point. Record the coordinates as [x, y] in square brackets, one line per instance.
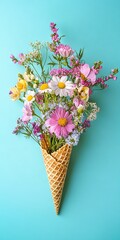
[56, 165]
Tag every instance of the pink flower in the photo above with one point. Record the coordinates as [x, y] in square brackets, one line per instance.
[52, 24]
[13, 58]
[55, 37]
[27, 113]
[87, 74]
[22, 58]
[64, 50]
[60, 123]
[59, 72]
[74, 61]
[39, 98]
[77, 102]
[114, 78]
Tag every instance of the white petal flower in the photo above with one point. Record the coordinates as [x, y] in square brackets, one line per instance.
[61, 86]
[30, 96]
[44, 87]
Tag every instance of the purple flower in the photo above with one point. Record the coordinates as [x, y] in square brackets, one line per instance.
[36, 128]
[86, 124]
[18, 127]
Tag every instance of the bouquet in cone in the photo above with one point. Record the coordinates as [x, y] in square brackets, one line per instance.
[55, 89]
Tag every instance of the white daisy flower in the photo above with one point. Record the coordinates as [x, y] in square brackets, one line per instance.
[44, 87]
[29, 96]
[61, 86]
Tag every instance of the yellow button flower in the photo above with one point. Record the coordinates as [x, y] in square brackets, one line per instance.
[21, 85]
[14, 93]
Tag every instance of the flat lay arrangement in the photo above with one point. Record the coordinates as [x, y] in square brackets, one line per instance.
[55, 91]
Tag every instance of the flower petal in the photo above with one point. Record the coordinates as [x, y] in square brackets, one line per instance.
[92, 77]
[85, 69]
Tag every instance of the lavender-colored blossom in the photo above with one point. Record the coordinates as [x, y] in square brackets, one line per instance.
[36, 128]
[18, 127]
[73, 138]
[27, 113]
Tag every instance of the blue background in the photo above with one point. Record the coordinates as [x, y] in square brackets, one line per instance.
[91, 198]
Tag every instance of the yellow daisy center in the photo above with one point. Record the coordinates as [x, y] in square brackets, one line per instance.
[44, 86]
[61, 85]
[62, 122]
[29, 98]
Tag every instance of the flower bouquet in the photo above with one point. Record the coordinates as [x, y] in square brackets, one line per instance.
[55, 90]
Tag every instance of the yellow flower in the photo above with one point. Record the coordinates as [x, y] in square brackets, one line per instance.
[22, 85]
[83, 93]
[14, 93]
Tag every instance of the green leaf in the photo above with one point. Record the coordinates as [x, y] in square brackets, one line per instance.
[64, 63]
[52, 63]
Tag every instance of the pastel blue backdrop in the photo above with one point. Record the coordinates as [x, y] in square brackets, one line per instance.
[91, 200]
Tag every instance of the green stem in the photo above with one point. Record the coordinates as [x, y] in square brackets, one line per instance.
[46, 55]
[36, 71]
[30, 134]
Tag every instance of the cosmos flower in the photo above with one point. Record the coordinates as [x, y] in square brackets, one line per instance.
[87, 74]
[60, 122]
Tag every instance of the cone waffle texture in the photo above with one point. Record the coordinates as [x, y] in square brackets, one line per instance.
[56, 165]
